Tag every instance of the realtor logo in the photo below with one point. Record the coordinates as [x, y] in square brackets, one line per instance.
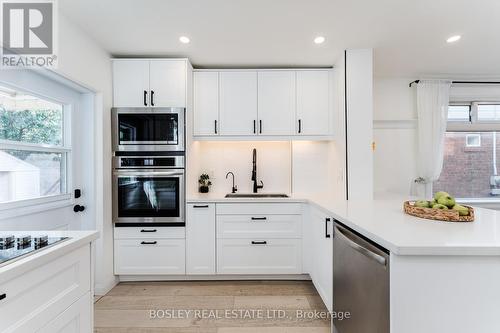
[28, 31]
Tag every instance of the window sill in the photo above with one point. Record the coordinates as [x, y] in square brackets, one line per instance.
[32, 206]
[479, 200]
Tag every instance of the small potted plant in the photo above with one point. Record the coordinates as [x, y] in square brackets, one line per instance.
[204, 182]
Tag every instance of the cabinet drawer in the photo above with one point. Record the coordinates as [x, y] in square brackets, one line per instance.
[255, 226]
[35, 297]
[75, 319]
[152, 256]
[259, 256]
[149, 232]
[259, 208]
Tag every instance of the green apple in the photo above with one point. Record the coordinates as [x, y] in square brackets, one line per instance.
[441, 194]
[448, 201]
[439, 206]
[462, 211]
[422, 204]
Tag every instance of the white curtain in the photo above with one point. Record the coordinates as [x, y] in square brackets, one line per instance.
[433, 98]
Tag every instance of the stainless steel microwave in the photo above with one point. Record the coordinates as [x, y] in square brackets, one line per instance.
[148, 129]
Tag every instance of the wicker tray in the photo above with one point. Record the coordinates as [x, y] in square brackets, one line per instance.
[438, 214]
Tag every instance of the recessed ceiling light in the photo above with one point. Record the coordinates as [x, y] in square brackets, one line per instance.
[184, 39]
[453, 39]
[319, 40]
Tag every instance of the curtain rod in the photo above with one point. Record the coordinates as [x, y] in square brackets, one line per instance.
[464, 82]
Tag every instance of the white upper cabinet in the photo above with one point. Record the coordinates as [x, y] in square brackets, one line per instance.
[262, 103]
[313, 107]
[149, 83]
[206, 103]
[131, 83]
[167, 82]
[238, 103]
[276, 102]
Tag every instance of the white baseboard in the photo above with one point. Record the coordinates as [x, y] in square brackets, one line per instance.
[102, 289]
[227, 277]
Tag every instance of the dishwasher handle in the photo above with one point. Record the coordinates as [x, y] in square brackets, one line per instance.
[360, 248]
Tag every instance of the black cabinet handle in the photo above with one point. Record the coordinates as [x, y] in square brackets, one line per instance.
[254, 126]
[149, 243]
[152, 98]
[149, 230]
[327, 235]
[259, 242]
[200, 206]
[3, 296]
[78, 208]
[259, 218]
[260, 126]
[215, 126]
[145, 98]
[300, 125]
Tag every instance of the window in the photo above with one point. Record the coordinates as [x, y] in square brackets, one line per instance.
[33, 152]
[473, 140]
[472, 152]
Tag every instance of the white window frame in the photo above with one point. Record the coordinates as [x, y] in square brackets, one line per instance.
[52, 201]
[474, 125]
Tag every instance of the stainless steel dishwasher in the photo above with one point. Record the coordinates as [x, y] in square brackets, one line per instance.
[360, 283]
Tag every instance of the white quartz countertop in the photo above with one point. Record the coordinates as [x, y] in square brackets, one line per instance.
[384, 222]
[76, 239]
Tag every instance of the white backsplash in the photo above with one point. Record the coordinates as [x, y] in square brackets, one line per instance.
[274, 165]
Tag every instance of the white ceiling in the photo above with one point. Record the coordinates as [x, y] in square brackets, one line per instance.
[408, 36]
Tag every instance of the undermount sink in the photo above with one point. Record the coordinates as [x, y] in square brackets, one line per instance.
[256, 195]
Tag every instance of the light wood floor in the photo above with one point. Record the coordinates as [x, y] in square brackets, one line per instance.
[257, 307]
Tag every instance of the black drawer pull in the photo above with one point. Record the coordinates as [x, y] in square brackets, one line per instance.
[259, 242]
[259, 218]
[149, 243]
[152, 98]
[149, 230]
[145, 98]
[3, 296]
[200, 206]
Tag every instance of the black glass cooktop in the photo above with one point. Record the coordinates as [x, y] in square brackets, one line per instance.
[15, 247]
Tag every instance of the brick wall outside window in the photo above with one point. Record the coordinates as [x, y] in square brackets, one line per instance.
[467, 170]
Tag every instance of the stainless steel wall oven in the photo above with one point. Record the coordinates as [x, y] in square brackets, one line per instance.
[148, 189]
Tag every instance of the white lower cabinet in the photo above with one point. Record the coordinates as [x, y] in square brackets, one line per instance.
[36, 300]
[150, 256]
[200, 238]
[75, 319]
[322, 255]
[259, 256]
[257, 238]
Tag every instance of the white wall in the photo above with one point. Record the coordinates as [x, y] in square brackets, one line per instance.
[394, 135]
[217, 158]
[82, 60]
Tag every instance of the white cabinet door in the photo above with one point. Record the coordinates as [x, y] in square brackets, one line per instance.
[131, 83]
[259, 256]
[168, 83]
[200, 239]
[206, 103]
[75, 319]
[313, 107]
[149, 256]
[322, 271]
[238, 103]
[276, 102]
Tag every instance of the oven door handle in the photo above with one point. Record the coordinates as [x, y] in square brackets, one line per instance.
[129, 173]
